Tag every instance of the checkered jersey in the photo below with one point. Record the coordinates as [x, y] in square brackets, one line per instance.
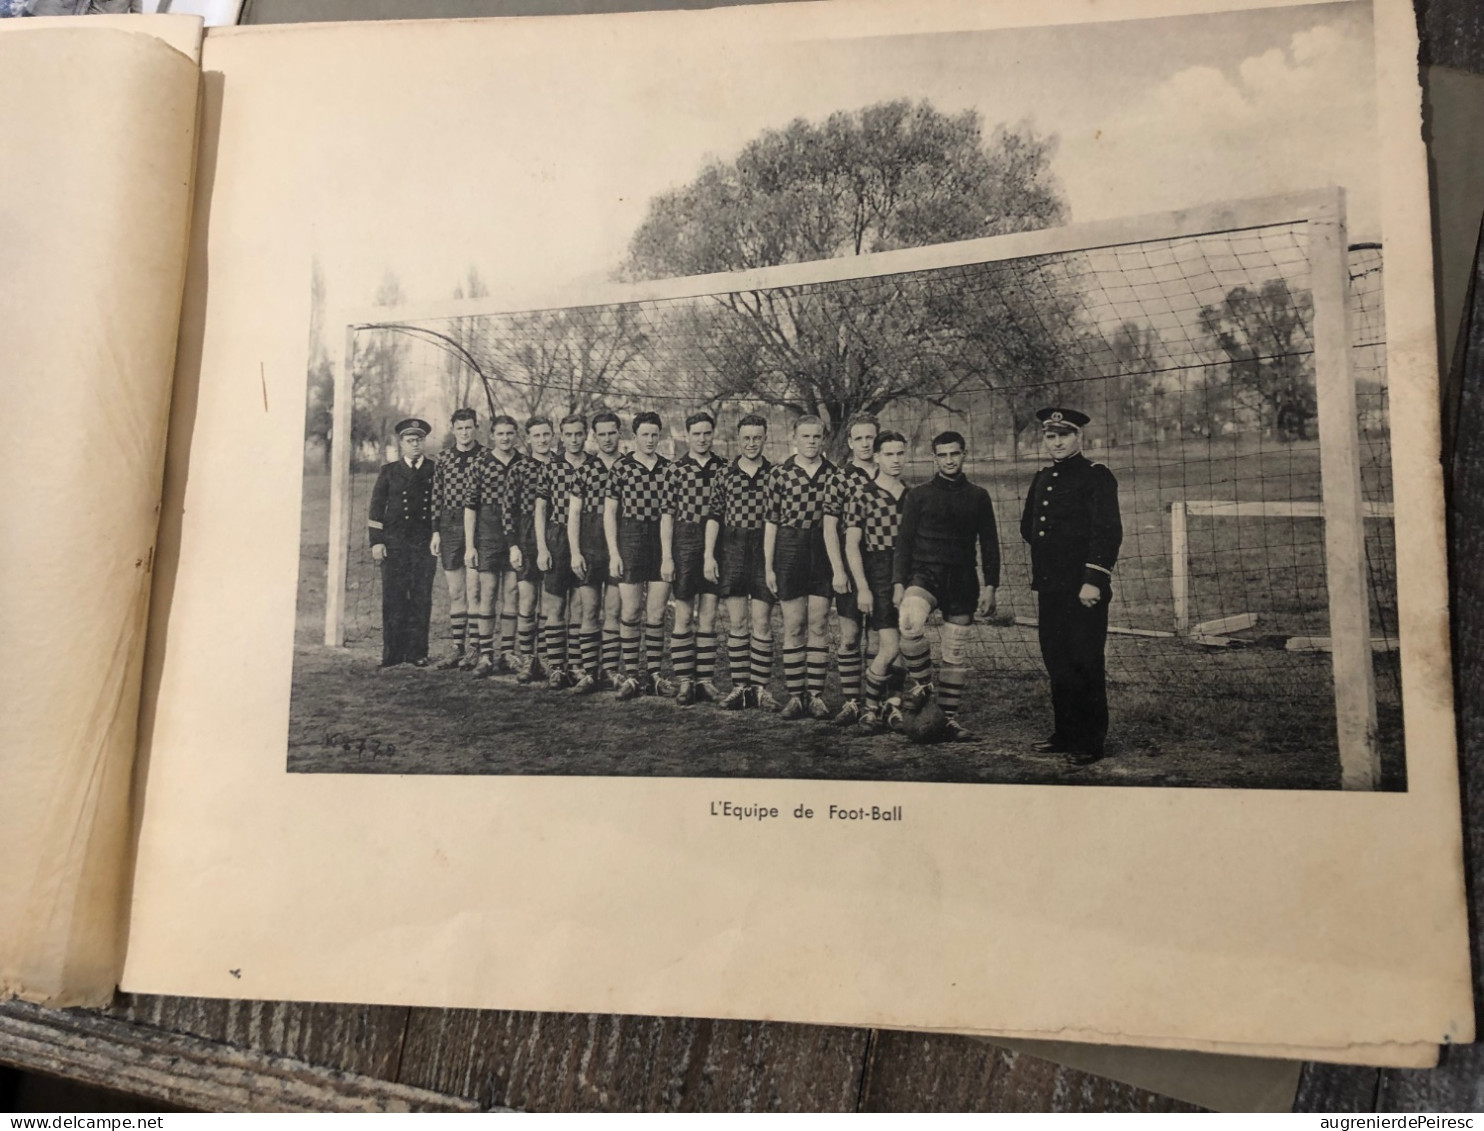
[688, 487]
[591, 485]
[638, 489]
[843, 484]
[525, 480]
[453, 476]
[879, 517]
[559, 480]
[793, 498]
[740, 500]
[488, 484]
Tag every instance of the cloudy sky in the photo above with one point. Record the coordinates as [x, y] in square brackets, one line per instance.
[558, 156]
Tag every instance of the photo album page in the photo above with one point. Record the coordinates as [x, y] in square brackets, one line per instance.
[915, 517]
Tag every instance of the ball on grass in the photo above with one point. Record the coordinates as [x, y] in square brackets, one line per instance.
[927, 725]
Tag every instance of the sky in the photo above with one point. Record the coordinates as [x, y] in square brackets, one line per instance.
[556, 157]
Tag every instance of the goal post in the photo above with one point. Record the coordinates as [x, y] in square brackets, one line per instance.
[1344, 498]
[1113, 315]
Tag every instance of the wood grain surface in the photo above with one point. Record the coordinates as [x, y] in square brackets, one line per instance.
[275, 1055]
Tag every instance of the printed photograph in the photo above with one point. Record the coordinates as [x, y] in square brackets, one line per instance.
[1002, 407]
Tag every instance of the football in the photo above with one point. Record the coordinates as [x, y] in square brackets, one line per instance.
[927, 725]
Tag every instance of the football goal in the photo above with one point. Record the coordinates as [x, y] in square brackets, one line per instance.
[1231, 357]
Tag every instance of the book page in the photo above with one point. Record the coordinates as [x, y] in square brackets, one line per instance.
[1195, 789]
[99, 141]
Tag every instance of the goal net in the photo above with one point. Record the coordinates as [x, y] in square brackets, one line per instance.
[1232, 361]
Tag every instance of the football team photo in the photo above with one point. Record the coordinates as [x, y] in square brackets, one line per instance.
[898, 424]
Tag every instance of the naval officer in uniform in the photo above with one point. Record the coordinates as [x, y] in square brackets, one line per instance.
[1072, 524]
[401, 530]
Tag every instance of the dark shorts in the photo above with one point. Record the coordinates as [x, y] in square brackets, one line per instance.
[451, 541]
[490, 541]
[639, 546]
[878, 577]
[846, 605]
[688, 544]
[593, 543]
[740, 560]
[526, 540]
[954, 588]
[558, 580]
[801, 564]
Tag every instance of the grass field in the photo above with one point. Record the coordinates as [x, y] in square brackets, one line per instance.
[1183, 715]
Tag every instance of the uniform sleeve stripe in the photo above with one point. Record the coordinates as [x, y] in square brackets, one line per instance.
[1100, 569]
[375, 525]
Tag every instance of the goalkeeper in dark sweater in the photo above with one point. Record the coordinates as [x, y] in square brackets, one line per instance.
[935, 568]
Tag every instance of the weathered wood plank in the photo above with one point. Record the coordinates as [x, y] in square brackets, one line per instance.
[352, 1038]
[937, 1072]
[186, 1071]
[1337, 1087]
[1456, 1084]
[587, 1062]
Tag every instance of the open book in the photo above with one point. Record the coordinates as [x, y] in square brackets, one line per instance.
[1059, 394]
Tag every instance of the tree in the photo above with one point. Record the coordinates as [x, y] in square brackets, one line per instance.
[1129, 391]
[574, 360]
[377, 365]
[1264, 333]
[887, 176]
[460, 381]
[319, 398]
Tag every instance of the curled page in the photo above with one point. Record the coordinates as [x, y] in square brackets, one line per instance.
[98, 143]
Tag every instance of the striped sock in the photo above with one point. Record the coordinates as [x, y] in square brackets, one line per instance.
[875, 689]
[705, 656]
[794, 679]
[761, 653]
[525, 633]
[818, 670]
[850, 668]
[458, 625]
[592, 652]
[609, 650]
[918, 657]
[951, 689]
[654, 648]
[553, 641]
[683, 655]
[739, 662]
[485, 634]
[629, 639]
[574, 643]
[507, 633]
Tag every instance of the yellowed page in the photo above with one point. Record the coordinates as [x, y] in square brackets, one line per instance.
[98, 143]
[1298, 923]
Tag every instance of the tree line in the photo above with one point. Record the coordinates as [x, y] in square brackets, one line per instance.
[1012, 335]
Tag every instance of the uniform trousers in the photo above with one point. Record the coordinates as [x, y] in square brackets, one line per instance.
[1072, 642]
[407, 574]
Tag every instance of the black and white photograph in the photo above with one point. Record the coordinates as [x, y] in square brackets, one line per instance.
[1002, 407]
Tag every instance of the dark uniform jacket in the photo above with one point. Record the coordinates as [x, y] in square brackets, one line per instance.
[1072, 524]
[402, 504]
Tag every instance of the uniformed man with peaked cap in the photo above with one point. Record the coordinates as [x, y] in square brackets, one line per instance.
[1072, 524]
[401, 530]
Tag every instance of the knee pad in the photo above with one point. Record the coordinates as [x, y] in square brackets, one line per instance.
[912, 635]
[955, 641]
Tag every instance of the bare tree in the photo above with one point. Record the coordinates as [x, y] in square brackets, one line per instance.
[460, 381]
[563, 361]
[380, 356]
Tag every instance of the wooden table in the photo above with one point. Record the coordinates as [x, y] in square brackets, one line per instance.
[237, 1055]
